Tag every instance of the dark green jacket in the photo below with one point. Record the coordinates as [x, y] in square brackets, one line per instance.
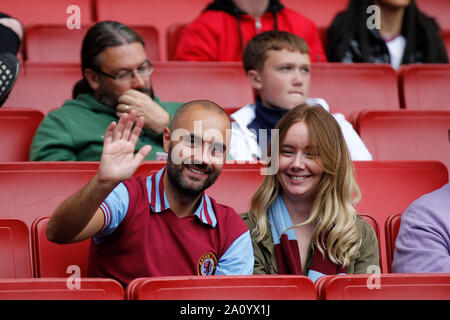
[266, 262]
[75, 131]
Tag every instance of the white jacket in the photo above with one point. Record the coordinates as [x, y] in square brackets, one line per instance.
[244, 144]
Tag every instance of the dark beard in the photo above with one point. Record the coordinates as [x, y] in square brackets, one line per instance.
[107, 99]
[174, 174]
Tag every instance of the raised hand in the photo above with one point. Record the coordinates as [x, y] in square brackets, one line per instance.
[118, 161]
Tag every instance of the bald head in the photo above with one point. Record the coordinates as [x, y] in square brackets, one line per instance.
[198, 106]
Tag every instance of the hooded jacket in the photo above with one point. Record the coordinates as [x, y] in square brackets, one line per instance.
[222, 30]
[349, 40]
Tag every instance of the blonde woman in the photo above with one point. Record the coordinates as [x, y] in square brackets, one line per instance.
[302, 219]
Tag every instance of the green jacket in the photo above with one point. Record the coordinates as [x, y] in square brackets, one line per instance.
[75, 131]
[266, 262]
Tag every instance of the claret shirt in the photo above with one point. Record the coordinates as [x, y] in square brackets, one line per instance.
[142, 237]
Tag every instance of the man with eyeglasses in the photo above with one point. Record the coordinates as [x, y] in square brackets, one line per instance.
[116, 80]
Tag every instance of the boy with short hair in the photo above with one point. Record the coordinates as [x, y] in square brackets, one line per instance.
[278, 67]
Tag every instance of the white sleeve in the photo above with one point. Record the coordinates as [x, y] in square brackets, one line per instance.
[356, 147]
[239, 144]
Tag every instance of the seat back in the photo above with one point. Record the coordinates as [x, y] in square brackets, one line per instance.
[351, 88]
[14, 249]
[56, 260]
[34, 189]
[391, 286]
[261, 287]
[44, 86]
[55, 43]
[425, 86]
[438, 9]
[17, 128]
[389, 187]
[48, 11]
[392, 227]
[406, 134]
[160, 14]
[61, 289]
[193, 81]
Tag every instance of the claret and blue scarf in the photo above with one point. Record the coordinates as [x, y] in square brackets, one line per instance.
[287, 250]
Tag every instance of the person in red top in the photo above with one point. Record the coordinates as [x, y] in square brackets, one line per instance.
[223, 29]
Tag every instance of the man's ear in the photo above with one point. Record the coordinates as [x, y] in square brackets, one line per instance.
[255, 79]
[167, 136]
[92, 78]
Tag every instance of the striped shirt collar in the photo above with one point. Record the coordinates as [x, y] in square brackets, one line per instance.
[159, 203]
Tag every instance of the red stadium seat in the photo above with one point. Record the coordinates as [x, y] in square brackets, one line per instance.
[321, 12]
[44, 86]
[222, 82]
[385, 287]
[53, 43]
[34, 189]
[392, 227]
[425, 86]
[158, 13]
[47, 11]
[14, 249]
[389, 187]
[58, 44]
[406, 134]
[261, 287]
[350, 88]
[438, 9]
[17, 128]
[56, 260]
[61, 289]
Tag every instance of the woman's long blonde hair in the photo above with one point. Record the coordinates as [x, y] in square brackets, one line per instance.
[333, 213]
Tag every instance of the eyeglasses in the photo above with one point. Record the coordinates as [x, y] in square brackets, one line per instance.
[126, 76]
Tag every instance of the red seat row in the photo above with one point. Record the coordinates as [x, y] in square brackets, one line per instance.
[34, 189]
[388, 134]
[60, 269]
[45, 86]
[159, 15]
[279, 287]
[348, 88]
[171, 11]
[54, 260]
